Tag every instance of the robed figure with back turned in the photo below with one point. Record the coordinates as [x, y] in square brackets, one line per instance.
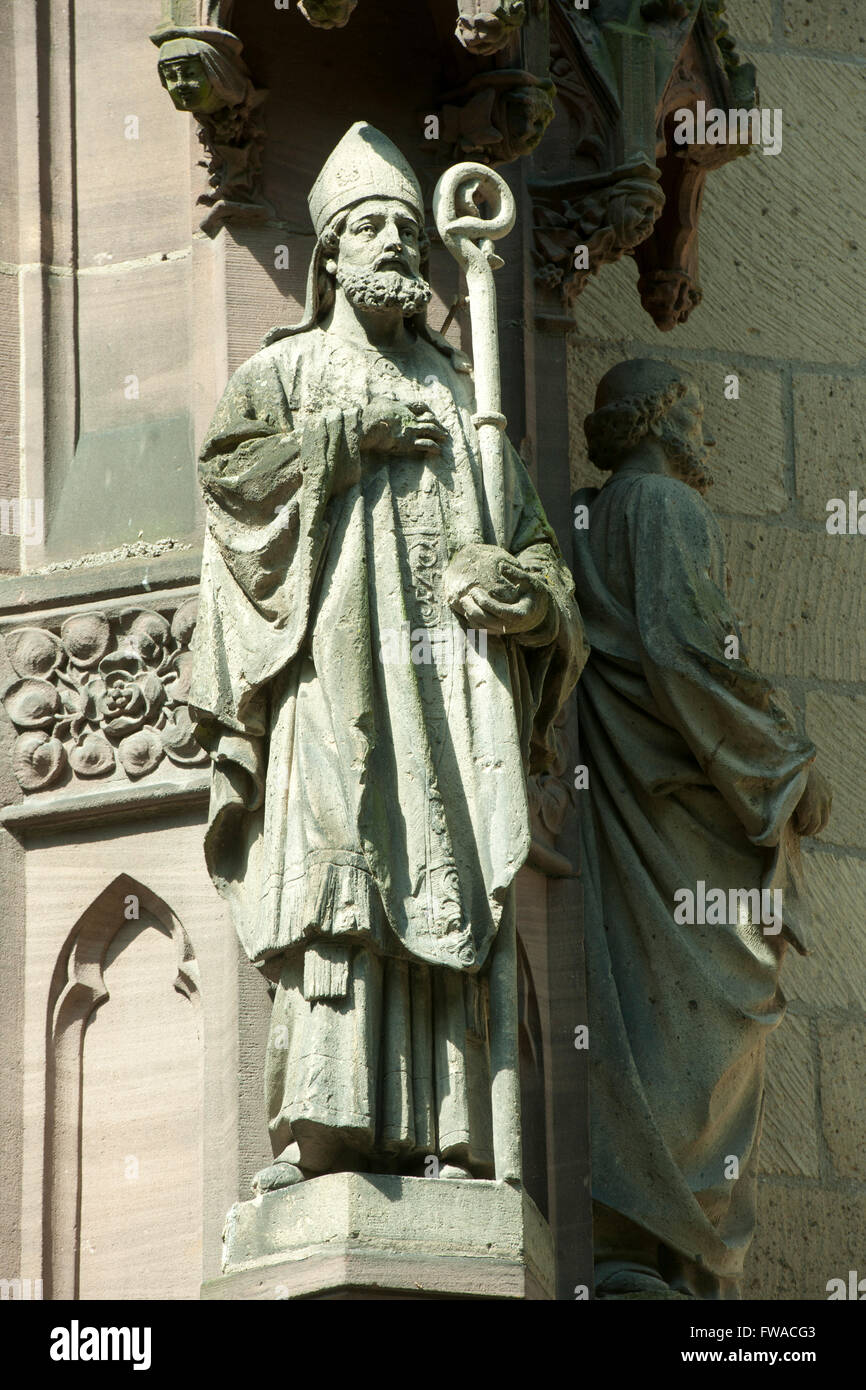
[699, 783]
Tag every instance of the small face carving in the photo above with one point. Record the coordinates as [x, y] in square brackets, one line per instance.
[188, 85]
[686, 418]
[381, 234]
[529, 115]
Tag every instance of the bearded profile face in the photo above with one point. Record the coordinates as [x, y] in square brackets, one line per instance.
[672, 414]
[377, 262]
[686, 445]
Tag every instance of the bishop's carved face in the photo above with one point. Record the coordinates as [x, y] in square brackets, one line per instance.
[377, 263]
[381, 234]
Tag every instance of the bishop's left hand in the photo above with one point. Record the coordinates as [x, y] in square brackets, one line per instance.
[488, 588]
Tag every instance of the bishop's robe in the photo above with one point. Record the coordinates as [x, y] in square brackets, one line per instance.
[368, 815]
[694, 772]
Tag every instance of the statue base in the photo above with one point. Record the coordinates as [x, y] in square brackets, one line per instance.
[357, 1235]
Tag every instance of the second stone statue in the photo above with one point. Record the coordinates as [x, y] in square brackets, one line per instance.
[368, 816]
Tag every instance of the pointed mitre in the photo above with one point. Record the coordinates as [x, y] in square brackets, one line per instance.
[365, 164]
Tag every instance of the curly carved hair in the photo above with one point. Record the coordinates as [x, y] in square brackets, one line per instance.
[616, 428]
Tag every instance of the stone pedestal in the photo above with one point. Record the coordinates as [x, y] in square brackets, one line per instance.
[353, 1235]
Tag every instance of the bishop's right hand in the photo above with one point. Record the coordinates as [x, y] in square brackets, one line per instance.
[390, 426]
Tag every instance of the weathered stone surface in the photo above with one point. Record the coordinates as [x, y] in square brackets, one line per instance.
[837, 724]
[801, 598]
[834, 976]
[10, 458]
[442, 1237]
[131, 152]
[790, 1144]
[802, 266]
[830, 430]
[836, 25]
[843, 1085]
[12, 1016]
[10, 61]
[805, 1237]
[749, 460]
[750, 19]
[156, 353]
[127, 472]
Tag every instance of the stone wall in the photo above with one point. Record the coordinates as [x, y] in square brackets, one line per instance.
[785, 309]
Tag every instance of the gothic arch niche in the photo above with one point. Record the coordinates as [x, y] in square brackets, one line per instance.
[124, 1117]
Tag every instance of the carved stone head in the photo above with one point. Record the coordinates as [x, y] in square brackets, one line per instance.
[649, 416]
[368, 211]
[374, 253]
[201, 79]
[529, 111]
[327, 14]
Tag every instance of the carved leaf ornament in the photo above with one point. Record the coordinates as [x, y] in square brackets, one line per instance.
[101, 693]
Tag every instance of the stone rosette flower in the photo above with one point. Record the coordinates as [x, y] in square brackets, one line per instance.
[102, 696]
[125, 694]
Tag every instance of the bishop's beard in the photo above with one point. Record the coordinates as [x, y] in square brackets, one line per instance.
[691, 462]
[384, 289]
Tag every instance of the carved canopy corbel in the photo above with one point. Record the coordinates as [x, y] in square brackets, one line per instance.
[203, 72]
[621, 70]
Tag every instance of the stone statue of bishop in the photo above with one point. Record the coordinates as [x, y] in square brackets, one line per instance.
[368, 810]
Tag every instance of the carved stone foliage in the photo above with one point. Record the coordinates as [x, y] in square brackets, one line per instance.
[635, 192]
[498, 116]
[203, 72]
[740, 75]
[610, 220]
[98, 694]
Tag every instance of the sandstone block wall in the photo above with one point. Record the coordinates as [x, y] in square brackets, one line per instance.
[783, 259]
